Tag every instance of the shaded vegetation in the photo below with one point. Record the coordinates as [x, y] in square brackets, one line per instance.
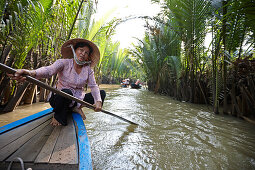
[176, 61]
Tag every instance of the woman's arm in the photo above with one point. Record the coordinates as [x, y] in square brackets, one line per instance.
[48, 71]
[43, 72]
[94, 90]
[20, 74]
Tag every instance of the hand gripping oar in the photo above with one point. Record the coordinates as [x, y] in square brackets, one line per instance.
[68, 96]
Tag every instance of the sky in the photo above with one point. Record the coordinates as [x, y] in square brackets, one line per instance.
[125, 32]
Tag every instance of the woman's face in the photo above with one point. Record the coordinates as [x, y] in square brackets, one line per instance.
[82, 53]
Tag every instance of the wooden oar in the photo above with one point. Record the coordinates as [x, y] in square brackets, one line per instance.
[10, 70]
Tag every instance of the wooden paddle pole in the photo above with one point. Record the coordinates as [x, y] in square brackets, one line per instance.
[30, 79]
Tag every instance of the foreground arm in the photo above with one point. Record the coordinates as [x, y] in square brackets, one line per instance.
[43, 72]
[94, 91]
[20, 74]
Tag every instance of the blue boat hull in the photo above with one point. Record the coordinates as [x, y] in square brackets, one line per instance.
[42, 146]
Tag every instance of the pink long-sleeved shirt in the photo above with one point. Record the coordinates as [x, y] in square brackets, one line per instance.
[68, 78]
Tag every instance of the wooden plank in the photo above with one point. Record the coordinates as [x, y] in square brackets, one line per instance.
[20, 122]
[31, 148]
[65, 151]
[85, 161]
[46, 152]
[39, 166]
[12, 147]
[14, 134]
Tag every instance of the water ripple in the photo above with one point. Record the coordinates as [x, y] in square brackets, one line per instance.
[171, 135]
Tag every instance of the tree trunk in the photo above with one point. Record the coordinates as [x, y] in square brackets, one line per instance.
[215, 76]
[13, 103]
[235, 107]
[29, 96]
[9, 63]
[35, 96]
[224, 27]
[157, 86]
[5, 53]
[6, 94]
[42, 93]
[3, 85]
[77, 13]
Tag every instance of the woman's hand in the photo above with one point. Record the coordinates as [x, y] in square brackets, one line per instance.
[20, 74]
[98, 106]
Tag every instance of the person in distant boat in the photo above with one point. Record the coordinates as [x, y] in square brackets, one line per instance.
[74, 72]
[136, 85]
[137, 82]
[125, 82]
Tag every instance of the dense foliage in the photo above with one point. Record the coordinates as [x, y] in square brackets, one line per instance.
[176, 61]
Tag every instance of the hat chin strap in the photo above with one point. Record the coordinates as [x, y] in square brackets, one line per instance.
[77, 60]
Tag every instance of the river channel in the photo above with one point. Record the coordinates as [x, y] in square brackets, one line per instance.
[171, 134]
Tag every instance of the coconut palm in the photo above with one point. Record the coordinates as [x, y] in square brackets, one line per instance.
[231, 30]
[189, 17]
[158, 53]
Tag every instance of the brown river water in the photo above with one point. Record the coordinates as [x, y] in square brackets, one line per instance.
[170, 135]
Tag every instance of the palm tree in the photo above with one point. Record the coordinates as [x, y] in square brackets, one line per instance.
[231, 29]
[159, 54]
[189, 19]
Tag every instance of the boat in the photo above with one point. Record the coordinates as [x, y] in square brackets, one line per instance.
[124, 85]
[34, 143]
[135, 86]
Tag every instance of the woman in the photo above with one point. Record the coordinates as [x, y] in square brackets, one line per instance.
[74, 72]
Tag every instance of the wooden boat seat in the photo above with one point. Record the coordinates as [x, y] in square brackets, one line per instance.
[40, 145]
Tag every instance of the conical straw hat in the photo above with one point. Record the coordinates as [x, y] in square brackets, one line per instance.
[67, 52]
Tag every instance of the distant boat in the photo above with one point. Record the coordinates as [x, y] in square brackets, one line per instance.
[124, 85]
[135, 86]
[39, 145]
